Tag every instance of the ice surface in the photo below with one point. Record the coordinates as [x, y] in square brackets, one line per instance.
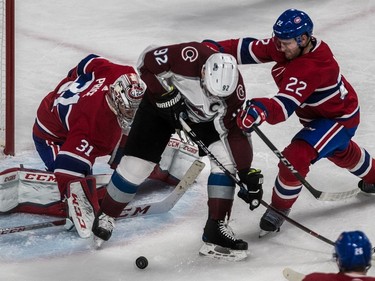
[52, 36]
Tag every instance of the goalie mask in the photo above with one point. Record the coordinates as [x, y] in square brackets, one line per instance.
[124, 97]
[220, 75]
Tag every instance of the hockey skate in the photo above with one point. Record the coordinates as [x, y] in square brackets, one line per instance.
[271, 221]
[102, 228]
[368, 188]
[221, 243]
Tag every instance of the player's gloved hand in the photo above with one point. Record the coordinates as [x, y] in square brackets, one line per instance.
[172, 104]
[213, 45]
[253, 114]
[253, 180]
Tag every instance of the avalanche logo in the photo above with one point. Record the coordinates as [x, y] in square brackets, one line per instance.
[189, 54]
[241, 92]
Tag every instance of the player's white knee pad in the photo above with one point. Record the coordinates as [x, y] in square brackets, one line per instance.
[219, 150]
[134, 169]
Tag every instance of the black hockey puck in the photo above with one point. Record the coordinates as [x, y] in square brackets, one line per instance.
[141, 262]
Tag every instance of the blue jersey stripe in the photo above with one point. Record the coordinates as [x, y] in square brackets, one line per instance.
[245, 55]
[82, 64]
[70, 163]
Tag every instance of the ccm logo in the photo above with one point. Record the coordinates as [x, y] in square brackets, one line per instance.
[135, 211]
[174, 143]
[40, 177]
[78, 211]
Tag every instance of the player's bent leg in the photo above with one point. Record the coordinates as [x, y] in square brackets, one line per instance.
[121, 189]
[287, 188]
[359, 162]
[284, 195]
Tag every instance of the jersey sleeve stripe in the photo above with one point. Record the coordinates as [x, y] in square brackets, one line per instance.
[81, 67]
[245, 53]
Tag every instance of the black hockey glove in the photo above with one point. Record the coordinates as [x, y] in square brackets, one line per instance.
[171, 105]
[253, 180]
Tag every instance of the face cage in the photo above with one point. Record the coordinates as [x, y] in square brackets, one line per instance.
[125, 108]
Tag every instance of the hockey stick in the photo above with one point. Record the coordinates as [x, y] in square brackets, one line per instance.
[196, 139]
[131, 211]
[320, 195]
[293, 275]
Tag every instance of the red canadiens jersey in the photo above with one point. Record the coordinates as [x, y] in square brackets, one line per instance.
[77, 115]
[337, 277]
[310, 85]
[180, 66]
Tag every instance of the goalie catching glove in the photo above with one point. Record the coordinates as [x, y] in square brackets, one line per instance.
[253, 180]
[172, 104]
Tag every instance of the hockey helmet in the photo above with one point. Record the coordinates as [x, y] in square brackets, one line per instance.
[220, 75]
[292, 24]
[124, 97]
[353, 250]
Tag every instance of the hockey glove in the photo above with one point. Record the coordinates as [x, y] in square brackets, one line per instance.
[253, 179]
[253, 114]
[171, 105]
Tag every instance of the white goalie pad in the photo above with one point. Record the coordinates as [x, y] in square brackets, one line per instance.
[178, 156]
[19, 187]
[36, 191]
[32, 190]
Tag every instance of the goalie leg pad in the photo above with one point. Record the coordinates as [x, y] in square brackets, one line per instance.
[83, 204]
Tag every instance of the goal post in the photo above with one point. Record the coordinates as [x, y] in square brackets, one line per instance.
[7, 118]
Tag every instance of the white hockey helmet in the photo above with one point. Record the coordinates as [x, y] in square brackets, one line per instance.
[124, 97]
[220, 74]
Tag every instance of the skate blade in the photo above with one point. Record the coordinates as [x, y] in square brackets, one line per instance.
[263, 233]
[217, 252]
[97, 242]
[369, 194]
[69, 225]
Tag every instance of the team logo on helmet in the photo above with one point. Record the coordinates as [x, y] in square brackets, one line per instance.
[297, 20]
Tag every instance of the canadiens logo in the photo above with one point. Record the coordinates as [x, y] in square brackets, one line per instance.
[297, 20]
[135, 93]
[189, 54]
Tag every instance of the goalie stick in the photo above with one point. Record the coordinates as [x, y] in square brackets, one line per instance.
[135, 210]
[320, 195]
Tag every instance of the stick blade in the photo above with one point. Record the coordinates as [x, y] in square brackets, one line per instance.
[293, 275]
[336, 196]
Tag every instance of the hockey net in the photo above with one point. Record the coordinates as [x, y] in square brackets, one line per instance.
[7, 77]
